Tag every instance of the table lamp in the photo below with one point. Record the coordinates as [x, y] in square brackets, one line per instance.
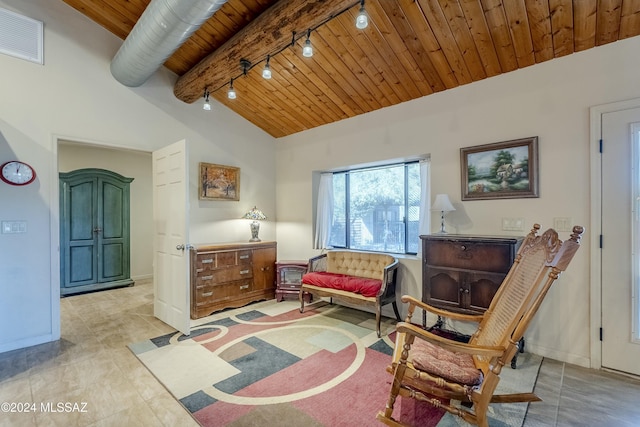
[256, 215]
[442, 204]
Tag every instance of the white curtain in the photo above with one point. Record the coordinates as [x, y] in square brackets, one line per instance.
[424, 224]
[324, 213]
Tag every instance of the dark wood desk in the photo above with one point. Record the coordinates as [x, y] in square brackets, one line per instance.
[462, 273]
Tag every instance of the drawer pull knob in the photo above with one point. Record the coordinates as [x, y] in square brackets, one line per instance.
[463, 248]
[206, 277]
[207, 261]
[244, 271]
[244, 256]
[207, 294]
[244, 287]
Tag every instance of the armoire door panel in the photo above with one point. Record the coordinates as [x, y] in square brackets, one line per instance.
[113, 263]
[82, 269]
[113, 205]
[81, 210]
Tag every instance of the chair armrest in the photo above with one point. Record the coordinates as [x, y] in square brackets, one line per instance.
[451, 345]
[413, 303]
[317, 263]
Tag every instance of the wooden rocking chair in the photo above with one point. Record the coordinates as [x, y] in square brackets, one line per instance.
[433, 369]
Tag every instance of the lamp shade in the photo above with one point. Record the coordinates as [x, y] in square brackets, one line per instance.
[255, 214]
[442, 204]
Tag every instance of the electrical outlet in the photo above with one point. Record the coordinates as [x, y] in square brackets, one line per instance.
[513, 224]
[562, 223]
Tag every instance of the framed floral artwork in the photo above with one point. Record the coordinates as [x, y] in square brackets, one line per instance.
[502, 170]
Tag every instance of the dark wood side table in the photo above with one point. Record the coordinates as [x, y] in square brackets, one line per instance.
[289, 279]
[462, 273]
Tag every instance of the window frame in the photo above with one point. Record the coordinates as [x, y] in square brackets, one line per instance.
[347, 174]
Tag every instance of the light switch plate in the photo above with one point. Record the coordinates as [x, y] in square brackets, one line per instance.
[513, 224]
[14, 227]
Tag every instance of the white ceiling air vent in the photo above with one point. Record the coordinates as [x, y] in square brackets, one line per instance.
[21, 36]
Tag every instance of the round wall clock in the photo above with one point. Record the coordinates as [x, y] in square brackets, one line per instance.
[17, 173]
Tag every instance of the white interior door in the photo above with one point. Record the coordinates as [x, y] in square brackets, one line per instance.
[620, 219]
[170, 213]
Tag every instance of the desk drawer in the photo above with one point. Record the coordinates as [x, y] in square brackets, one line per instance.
[224, 275]
[468, 255]
[231, 258]
[208, 261]
[208, 293]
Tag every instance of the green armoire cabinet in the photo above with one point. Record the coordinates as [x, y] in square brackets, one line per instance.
[94, 231]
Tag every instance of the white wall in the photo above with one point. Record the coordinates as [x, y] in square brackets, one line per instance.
[131, 164]
[74, 97]
[549, 100]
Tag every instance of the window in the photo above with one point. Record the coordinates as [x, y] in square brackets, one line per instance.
[377, 208]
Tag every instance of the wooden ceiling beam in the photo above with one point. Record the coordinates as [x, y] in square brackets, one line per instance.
[267, 34]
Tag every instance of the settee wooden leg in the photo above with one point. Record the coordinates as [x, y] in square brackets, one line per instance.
[301, 298]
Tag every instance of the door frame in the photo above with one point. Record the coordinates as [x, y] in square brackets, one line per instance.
[54, 219]
[595, 271]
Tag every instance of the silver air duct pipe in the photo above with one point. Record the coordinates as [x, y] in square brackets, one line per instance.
[162, 28]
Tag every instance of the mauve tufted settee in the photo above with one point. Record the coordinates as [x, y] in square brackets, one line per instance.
[360, 278]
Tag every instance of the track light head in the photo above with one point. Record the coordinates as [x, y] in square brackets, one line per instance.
[266, 72]
[231, 93]
[362, 20]
[307, 49]
[206, 106]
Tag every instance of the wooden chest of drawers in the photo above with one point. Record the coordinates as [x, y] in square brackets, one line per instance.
[462, 273]
[231, 275]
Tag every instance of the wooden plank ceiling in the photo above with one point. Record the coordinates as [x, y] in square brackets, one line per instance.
[411, 48]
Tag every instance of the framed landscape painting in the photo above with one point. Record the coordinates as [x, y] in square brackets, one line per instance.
[218, 182]
[502, 170]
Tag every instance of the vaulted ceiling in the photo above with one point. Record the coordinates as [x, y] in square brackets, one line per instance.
[411, 48]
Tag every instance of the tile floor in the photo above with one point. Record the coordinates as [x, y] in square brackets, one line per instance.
[91, 364]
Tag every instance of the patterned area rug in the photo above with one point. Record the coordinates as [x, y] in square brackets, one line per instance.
[269, 364]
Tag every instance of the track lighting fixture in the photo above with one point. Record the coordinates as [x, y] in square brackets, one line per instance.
[206, 105]
[231, 93]
[362, 20]
[266, 72]
[307, 50]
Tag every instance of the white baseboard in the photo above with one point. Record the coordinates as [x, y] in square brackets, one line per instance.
[27, 342]
[574, 359]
